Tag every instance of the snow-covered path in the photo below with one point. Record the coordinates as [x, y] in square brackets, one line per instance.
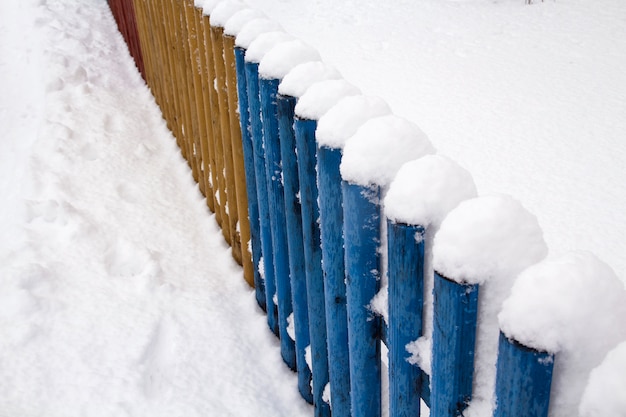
[118, 295]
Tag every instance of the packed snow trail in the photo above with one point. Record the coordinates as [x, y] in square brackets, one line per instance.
[118, 295]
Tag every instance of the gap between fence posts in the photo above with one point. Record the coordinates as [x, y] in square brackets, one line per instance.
[248, 155]
[361, 211]
[307, 161]
[333, 265]
[293, 212]
[252, 81]
[454, 339]
[268, 89]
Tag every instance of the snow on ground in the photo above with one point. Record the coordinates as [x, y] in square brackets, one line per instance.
[118, 295]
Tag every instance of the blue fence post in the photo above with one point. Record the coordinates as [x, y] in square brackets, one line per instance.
[252, 81]
[454, 339]
[523, 380]
[331, 227]
[361, 212]
[248, 155]
[307, 161]
[274, 177]
[338, 124]
[293, 212]
[406, 298]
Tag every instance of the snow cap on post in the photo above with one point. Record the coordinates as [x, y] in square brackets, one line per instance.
[253, 28]
[343, 119]
[237, 21]
[301, 77]
[198, 3]
[375, 153]
[426, 189]
[487, 237]
[279, 60]
[574, 306]
[209, 5]
[321, 96]
[264, 43]
[223, 11]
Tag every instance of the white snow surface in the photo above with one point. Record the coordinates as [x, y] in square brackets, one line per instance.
[604, 394]
[253, 28]
[263, 43]
[343, 119]
[118, 295]
[425, 190]
[283, 57]
[321, 96]
[573, 306]
[236, 22]
[375, 153]
[209, 5]
[224, 10]
[301, 77]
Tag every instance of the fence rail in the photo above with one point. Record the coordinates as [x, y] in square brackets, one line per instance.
[315, 238]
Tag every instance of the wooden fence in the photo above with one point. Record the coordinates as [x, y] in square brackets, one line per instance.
[308, 239]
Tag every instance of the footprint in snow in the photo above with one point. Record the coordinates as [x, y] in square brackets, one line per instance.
[159, 359]
[127, 259]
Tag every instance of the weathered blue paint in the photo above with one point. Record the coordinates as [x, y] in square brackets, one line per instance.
[254, 105]
[333, 266]
[361, 212]
[307, 161]
[454, 339]
[523, 380]
[248, 159]
[293, 216]
[268, 89]
[405, 245]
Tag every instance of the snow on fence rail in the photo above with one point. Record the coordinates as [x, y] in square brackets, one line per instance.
[355, 235]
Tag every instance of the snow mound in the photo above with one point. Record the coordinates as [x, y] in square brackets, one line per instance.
[604, 394]
[264, 43]
[254, 28]
[209, 5]
[321, 96]
[343, 119]
[238, 20]
[375, 153]
[573, 306]
[224, 10]
[425, 190]
[487, 237]
[300, 78]
[278, 61]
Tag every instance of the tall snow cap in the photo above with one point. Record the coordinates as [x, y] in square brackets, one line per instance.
[254, 28]
[574, 306]
[237, 21]
[321, 96]
[301, 77]
[343, 119]
[604, 394]
[224, 10]
[426, 189]
[209, 5]
[279, 60]
[264, 43]
[487, 237]
[375, 153]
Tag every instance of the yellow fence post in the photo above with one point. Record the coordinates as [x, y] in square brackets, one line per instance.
[238, 164]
